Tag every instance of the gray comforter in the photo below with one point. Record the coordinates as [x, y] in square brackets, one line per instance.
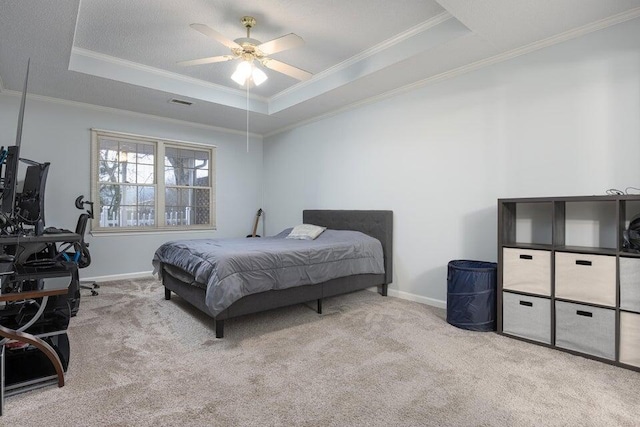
[233, 268]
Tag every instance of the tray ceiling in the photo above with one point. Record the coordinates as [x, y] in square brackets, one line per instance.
[123, 53]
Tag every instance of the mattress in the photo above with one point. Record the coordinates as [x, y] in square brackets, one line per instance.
[234, 268]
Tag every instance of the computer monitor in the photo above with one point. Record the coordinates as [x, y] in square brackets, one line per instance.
[30, 202]
[10, 180]
[32, 179]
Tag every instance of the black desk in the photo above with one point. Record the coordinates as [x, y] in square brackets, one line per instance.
[44, 238]
[55, 280]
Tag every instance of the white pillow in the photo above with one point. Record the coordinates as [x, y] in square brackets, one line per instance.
[306, 232]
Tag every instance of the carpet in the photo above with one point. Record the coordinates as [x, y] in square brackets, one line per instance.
[138, 360]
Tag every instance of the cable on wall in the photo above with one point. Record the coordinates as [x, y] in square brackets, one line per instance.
[627, 191]
[247, 116]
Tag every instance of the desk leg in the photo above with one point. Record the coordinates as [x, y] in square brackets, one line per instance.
[1, 379]
[40, 345]
[34, 319]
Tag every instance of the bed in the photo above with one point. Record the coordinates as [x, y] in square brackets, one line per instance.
[374, 223]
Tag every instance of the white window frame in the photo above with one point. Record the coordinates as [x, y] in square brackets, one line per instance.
[158, 184]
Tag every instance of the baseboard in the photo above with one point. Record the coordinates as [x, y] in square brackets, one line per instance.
[125, 276]
[413, 297]
[391, 292]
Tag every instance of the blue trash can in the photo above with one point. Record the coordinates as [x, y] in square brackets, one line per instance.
[471, 294]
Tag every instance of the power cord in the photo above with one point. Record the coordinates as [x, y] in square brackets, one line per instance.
[616, 192]
[626, 190]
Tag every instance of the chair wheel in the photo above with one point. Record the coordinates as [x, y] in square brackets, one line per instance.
[96, 286]
[93, 293]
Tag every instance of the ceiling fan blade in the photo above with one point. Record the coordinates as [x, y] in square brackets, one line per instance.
[209, 60]
[281, 43]
[210, 32]
[287, 69]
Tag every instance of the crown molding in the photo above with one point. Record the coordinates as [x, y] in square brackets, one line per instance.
[123, 71]
[380, 47]
[118, 69]
[412, 43]
[568, 35]
[162, 73]
[99, 108]
[532, 47]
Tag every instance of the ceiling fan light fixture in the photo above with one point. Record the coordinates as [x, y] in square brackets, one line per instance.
[242, 73]
[248, 72]
[249, 50]
[258, 76]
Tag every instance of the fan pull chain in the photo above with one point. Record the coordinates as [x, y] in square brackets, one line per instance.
[247, 83]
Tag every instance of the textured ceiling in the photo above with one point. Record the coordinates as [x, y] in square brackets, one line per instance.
[157, 34]
[122, 54]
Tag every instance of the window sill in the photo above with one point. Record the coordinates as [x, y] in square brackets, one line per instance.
[150, 232]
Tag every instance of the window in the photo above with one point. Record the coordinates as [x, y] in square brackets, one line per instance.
[133, 190]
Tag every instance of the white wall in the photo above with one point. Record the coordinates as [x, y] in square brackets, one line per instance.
[561, 121]
[60, 133]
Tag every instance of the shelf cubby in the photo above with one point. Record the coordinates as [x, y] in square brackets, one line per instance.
[604, 283]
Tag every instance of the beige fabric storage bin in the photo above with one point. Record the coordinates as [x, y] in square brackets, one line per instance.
[630, 338]
[526, 270]
[586, 278]
[527, 317]
[630, 284]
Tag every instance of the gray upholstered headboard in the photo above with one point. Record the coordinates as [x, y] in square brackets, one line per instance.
[377, 224]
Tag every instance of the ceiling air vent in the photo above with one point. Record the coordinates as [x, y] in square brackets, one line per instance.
[180, 102]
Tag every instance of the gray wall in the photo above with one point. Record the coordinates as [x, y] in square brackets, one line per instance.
[59, 132]
[560, 121]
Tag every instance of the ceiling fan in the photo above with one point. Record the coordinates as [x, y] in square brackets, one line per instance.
[250, 50]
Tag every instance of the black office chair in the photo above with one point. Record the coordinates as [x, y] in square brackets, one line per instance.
[78, 252]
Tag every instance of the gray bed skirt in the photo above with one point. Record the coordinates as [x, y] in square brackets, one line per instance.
[276, 298]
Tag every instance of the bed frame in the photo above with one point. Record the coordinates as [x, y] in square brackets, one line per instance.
[377, 224]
